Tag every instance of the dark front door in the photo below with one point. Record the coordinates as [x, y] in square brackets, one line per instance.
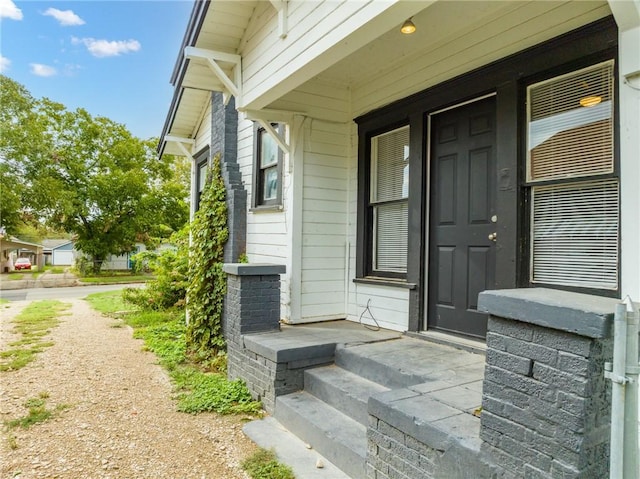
[462, 217]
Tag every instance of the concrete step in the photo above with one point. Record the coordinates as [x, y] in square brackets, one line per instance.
[343, 390]
[306, 463]
[405, 362]
[340, 439]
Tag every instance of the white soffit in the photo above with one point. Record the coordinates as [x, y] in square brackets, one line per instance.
[222, 31]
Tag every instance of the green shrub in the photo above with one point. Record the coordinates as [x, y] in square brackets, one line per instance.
[170, 267]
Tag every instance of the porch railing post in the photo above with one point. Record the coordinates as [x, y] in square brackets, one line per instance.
[616, 373]
[631, 396]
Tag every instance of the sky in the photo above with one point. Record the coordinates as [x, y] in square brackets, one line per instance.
[112, 58]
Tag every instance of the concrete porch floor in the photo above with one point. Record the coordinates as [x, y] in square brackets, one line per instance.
[434, 385]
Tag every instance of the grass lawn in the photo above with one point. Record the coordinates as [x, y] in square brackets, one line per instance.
[200, 385]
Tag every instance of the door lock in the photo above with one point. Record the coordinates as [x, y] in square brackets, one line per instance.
[493, 237]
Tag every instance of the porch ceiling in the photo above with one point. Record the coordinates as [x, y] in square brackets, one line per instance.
[452, 38]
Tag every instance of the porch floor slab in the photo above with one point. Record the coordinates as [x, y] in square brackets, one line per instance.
[302, 341]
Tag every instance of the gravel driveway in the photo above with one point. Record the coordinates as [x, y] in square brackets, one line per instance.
[120, 420]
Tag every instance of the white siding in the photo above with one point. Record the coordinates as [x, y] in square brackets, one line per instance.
[203, 135]
[316, 37]
[327, 147]
[268, 240]
[388, 306]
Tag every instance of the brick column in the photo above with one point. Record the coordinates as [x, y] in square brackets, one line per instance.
[546, 405]
[252, 305]
[224, 140]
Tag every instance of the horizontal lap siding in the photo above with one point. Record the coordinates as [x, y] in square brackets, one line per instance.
[327, 147]
[455, 52]
[388, 306]
[267, 236]
[314, 27]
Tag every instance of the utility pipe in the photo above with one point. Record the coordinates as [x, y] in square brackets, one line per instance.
[631, 394]
[616, 373]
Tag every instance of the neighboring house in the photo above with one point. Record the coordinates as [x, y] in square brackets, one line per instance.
[64, 254]
[12, 248]
[495, 147]
[58, 252]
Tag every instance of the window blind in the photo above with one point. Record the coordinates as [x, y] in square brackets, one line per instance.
[575, 234]
[390, 153]
[389, 193]
[570, 130]
[390, 253]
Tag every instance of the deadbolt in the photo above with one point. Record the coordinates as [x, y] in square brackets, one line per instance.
[493, 236]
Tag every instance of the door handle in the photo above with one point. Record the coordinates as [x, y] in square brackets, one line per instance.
[493, 237]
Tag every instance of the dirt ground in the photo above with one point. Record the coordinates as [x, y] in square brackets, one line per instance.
[118, 419]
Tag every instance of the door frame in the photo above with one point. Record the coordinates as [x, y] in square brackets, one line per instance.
[428, 144]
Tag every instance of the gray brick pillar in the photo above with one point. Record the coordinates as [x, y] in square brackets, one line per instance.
[224, 141]
[252, 305]
[546, 405]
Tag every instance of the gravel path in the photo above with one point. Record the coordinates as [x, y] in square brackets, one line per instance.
[120, 420]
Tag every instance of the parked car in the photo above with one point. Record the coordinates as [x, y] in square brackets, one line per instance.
[22, 263]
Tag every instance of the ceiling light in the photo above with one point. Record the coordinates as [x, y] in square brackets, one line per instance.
[590, 100]
[408, 27]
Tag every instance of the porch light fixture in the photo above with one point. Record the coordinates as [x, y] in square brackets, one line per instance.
[408, 27]
[591, 100]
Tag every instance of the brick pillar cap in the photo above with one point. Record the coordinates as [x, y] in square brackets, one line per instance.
[582, 314]
[253, 269]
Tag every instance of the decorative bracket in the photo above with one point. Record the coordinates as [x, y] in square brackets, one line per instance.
[282, 6]
[265, 117]
[180, 142]
[231, 87]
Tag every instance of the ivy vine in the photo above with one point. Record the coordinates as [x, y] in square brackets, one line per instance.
[208, 284]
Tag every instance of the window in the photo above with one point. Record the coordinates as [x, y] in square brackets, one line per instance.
[202, 167]
[388, 202]
[571, 175]
[267, 190]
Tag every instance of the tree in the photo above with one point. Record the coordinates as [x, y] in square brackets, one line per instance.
[90, 177]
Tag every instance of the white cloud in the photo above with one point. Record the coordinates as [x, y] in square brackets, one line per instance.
[5, 63]
[66, 17]
[8, 9]
[42, 70]
[107, 48]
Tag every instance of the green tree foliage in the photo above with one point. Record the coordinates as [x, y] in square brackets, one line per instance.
[88, 176]
[207, 286]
